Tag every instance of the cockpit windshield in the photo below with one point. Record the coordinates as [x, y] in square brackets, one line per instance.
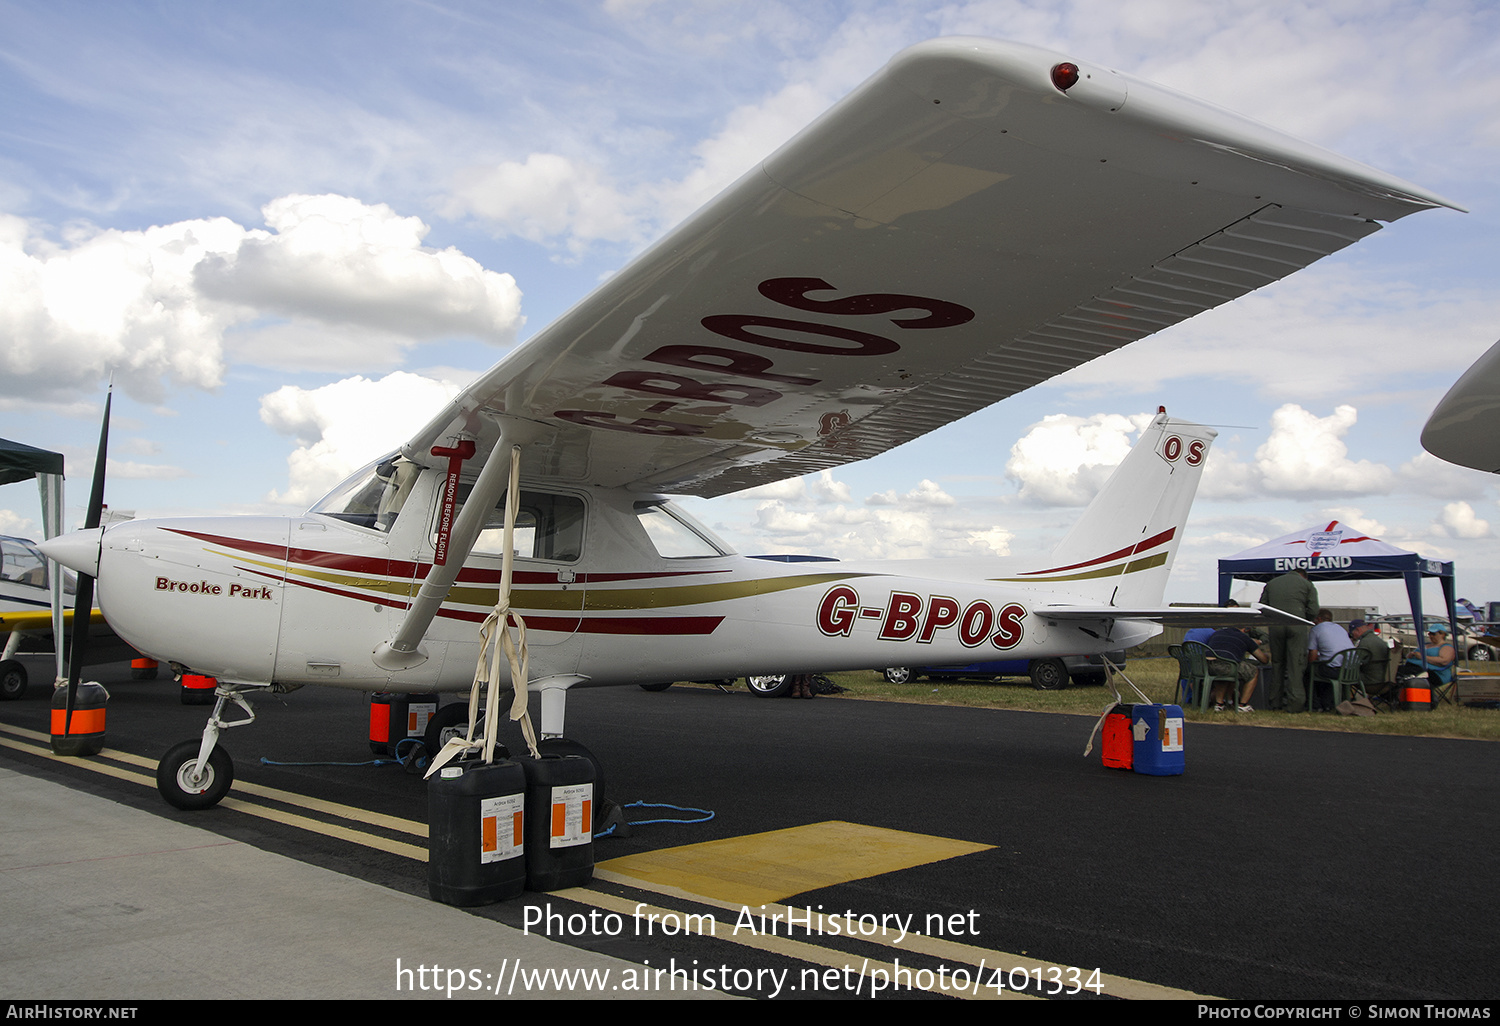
[373, 496]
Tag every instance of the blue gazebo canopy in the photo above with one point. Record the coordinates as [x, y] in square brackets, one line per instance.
[1337, 552]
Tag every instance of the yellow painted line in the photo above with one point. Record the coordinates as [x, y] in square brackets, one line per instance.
[410, 851]
[917, 942]
[804, 951]
[766, 867]
[936, 947]
[405, 826]
[380, 819]
[105, 769]
[94, 764]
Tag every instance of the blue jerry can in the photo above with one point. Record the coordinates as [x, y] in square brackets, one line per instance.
[1156, 731]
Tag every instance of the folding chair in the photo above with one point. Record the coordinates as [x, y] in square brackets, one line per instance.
[1204, 679]
[1183, 695]
[1443, 692]
[1349, 682]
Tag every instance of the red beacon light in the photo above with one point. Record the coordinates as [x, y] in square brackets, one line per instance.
[1064, 76]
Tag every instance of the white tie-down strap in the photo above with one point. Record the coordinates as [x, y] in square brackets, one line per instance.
[1112, 671]
[495, 639]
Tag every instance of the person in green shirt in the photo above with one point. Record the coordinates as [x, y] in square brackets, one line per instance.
[1293, 593]
[1377, 670]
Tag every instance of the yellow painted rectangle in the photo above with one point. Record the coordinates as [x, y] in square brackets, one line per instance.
[776, 865]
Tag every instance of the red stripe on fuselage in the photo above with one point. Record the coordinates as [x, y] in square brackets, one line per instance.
[1129, 550]
[647, 625]
[374, 565]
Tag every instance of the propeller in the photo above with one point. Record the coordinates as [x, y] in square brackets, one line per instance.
[83, 605]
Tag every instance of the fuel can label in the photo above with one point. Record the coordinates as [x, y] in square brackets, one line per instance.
[500, 824]
[1171, 734]
[417, 715]
[572, 815]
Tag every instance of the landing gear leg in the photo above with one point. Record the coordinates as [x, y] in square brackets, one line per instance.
[197, 774]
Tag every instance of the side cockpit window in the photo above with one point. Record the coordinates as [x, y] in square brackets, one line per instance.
[373, 496]
[547, 527]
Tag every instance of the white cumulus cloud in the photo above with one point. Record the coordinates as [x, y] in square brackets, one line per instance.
[154, 306]
[340, 427]
[1064, 460]
[339, 261]
[110, 301]
[1306, 455]
[549, 197]
[1458, 520]
[926, 493]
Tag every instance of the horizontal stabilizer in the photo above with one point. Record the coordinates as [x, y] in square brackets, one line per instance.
[1180, 616]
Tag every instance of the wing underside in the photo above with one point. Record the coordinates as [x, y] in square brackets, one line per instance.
[955, 231]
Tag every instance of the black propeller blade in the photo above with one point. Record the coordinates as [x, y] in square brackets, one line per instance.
[83, 605]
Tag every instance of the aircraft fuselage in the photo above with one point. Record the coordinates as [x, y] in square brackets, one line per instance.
[309, 599]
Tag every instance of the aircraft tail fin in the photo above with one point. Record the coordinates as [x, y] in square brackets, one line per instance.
[1121, 550]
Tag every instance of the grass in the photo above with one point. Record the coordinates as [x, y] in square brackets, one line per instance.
[1157, 679]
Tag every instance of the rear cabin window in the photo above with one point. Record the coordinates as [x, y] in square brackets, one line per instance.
[674, 533]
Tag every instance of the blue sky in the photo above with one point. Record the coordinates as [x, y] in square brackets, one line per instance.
[423, 184]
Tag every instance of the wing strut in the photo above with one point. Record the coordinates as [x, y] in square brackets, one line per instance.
[404, 650]
[495, 640]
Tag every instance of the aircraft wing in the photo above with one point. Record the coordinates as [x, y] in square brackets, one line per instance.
[40, 620]
[1180, 616]
[958, 229]
[1463, 428]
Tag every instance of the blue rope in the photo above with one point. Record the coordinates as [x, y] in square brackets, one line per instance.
[705, 814]
[704, 817]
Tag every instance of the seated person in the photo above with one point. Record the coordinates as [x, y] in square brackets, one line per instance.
[1237, 653]
[1202, 634]
[1199, 634]
[1377, 668]
[1440, 657]
[1325, 656]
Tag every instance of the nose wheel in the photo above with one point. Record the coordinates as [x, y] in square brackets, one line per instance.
[197, 774]
[184, 786]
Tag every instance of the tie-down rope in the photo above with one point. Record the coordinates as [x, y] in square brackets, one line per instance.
[487, 672]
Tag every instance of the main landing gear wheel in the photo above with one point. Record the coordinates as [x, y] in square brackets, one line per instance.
[898, 674]
[1048, 674]
[448, 722]
[177, 784]
[453, 721]
[773, 686]
[13, 680]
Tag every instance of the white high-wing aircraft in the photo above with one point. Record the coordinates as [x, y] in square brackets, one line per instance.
[25, 607]
[978, 217]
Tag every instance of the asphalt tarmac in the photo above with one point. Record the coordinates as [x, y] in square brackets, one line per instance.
[920, 851]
